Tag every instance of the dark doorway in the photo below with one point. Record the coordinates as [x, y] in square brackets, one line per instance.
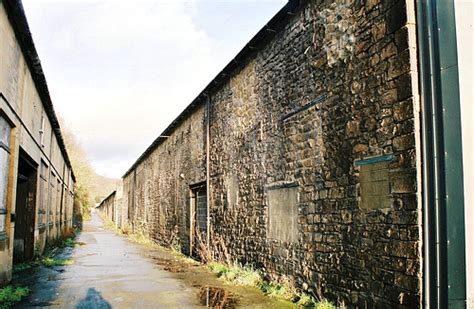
[198, 218]
[25, 209]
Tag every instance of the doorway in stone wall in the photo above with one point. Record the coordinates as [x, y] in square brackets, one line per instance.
[198, 219]
[25, 209]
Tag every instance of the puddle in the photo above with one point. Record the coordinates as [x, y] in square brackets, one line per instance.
[170, 266]
[214, 297]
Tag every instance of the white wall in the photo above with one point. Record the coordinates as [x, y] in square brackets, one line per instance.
[464, 10]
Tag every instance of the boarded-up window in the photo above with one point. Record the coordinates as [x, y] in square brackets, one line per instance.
[5, 130]
[59, 201]
[374, 182]
[52, 198]
[41, 132]
[232, 190]
[283, 212]
[43, 194]
[199, 197]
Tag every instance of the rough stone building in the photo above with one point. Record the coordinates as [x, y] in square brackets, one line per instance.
[325, 151]
[36, 179]
[106, 207]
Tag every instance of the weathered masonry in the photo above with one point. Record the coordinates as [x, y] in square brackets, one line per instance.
[36, 179]
[312, 156]
[107, 205]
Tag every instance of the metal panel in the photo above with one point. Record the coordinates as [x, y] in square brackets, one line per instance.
[201, 212]
[283, 214]
[443, 203]
[456, 266]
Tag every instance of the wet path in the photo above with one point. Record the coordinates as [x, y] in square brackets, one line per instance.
[108, 272]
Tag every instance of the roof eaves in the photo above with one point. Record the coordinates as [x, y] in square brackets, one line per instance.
[17, 17]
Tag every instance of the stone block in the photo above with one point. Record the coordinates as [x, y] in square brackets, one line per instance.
[396, 17]
[404, 142]
[399, 64]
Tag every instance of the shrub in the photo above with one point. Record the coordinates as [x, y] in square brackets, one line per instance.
[10, 295]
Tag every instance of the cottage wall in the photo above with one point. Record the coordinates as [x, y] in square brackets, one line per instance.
[34, 140]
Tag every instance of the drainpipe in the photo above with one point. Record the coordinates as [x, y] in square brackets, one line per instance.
[444, 278]
[430, 166]
[208, 193]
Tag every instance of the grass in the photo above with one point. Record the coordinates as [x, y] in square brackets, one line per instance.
[138, 238]
[18, 268]
[51, 261]
[237, 275]
[247, 276]
[69, 242]
[86, 215]
[10, 295]
[324, 305]
[282, 290]
[48, 259]
[141, 239]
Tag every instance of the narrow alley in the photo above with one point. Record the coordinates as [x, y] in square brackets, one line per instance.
[109, 271]
[236, 154]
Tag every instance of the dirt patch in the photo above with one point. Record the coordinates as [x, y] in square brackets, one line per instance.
[214, 297]
[44, 303]
[52, 278]
[198, 276]
[172, 266]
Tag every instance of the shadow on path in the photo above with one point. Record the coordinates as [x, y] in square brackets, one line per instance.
[93, 300]
[45, 279]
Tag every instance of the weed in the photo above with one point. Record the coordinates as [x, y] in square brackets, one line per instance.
[237, 274]
[69, 242]
[141, 239]
[86, 216]
[51, 261]
[305, 301]
[324, 305]
[18, 268]
[279, 290]
[218, 268]
[284, 289]
[10, 295]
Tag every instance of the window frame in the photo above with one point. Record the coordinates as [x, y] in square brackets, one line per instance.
[5, 147]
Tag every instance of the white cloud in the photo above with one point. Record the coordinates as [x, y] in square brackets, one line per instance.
[120, 71]
[134, 68]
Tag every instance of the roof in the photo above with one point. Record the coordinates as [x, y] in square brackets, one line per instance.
[105, 199]
[16, 15]
[277, 23]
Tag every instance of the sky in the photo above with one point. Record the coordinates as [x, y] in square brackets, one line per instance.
[119, 72]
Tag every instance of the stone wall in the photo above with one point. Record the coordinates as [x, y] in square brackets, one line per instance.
[107, 207]
[331, 90]
[35, 139]
[156, 193]
[321, 122]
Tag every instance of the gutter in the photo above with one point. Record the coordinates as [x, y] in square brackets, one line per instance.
[208, 172]
[431, 187]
